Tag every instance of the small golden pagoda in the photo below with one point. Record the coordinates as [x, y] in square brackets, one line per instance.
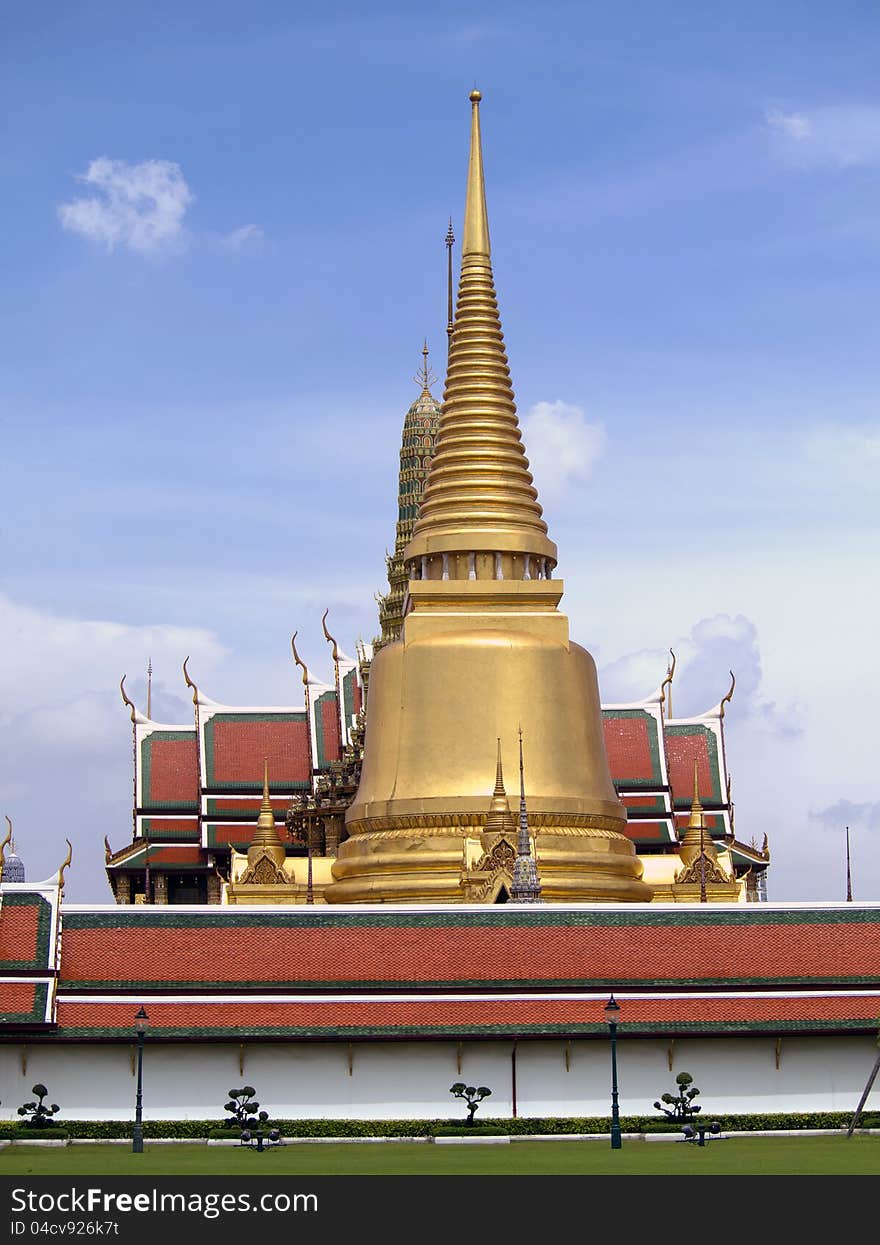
[707, 874]
[484, 649]
[488, 861]
[266, 874]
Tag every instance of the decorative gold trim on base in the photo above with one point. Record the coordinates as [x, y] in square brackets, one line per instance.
[441, 865]
[454, 823]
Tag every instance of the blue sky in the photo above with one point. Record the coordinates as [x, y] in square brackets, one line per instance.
[222, 247]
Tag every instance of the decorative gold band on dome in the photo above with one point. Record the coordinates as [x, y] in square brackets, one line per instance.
[479, 496]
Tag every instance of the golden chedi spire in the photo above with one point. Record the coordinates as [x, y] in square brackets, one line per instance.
[696, 840]
[483, 647]
[479, 500]
[266, 840]
[702, 873]
[500, 817]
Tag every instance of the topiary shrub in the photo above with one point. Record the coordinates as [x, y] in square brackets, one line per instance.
[680, 1106]
[243, 1108]
[472, 1095]
[37, 1114]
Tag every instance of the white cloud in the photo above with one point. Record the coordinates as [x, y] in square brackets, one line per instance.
[562, 446]
[847, 813]
[853, 452]
[704, 658]
[791, 125]
[241, 237]
[842, 137]
[138, 206]
[65, 737]
[51, 657]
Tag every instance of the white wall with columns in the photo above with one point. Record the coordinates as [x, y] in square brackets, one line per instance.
[411, 1080]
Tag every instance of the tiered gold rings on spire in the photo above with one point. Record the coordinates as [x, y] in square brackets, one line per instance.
[479, 497]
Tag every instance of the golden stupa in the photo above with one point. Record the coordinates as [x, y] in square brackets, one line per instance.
[484, 650]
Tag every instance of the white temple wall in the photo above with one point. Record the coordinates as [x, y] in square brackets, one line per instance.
[411, 1080]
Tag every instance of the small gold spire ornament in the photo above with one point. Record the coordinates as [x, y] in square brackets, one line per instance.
[500, 818]
[266, 837]
[697, 850]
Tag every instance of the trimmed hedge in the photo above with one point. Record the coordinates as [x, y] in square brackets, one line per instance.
[183, 1129]
[483, 1129]
[37, 1134]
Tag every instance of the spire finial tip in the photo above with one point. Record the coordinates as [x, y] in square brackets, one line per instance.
[475, 96]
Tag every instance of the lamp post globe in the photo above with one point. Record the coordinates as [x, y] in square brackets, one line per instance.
[137, 1137]
[612, 1011]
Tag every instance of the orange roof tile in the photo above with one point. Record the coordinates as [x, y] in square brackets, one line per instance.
[523, 1016]
[540, 946]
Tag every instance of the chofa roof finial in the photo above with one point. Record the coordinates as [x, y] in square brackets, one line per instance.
[725, 700]
[65, 864]
[126, 699]
[189, 682]
[328, 635]
[667, 683]
[299, 661]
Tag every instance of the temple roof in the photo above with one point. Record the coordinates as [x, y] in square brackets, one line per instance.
[642, 946]
[29, 947]
[373, 972]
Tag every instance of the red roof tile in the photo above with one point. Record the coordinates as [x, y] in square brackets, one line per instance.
[19, 932]
[341, 1017]
[18, 999]
[628, 743]
[616, 946]
[173, 855]
[236, 745]
[170, 773]
[330, 724]
[684, 746]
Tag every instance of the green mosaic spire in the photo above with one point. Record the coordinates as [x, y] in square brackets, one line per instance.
[420, 428]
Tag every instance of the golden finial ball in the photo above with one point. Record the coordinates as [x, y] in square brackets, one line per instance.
[475, 96]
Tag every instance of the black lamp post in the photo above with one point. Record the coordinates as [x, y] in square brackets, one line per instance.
[137, 1138]
[612, 1010]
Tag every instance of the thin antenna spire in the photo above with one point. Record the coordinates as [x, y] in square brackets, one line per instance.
[526, 888]
[450, 242]
[848, 871]
[149, 687]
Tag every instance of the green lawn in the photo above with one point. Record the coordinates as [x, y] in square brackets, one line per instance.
[760, 1156]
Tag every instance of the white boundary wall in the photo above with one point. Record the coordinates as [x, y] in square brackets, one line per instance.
[411, 1080]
